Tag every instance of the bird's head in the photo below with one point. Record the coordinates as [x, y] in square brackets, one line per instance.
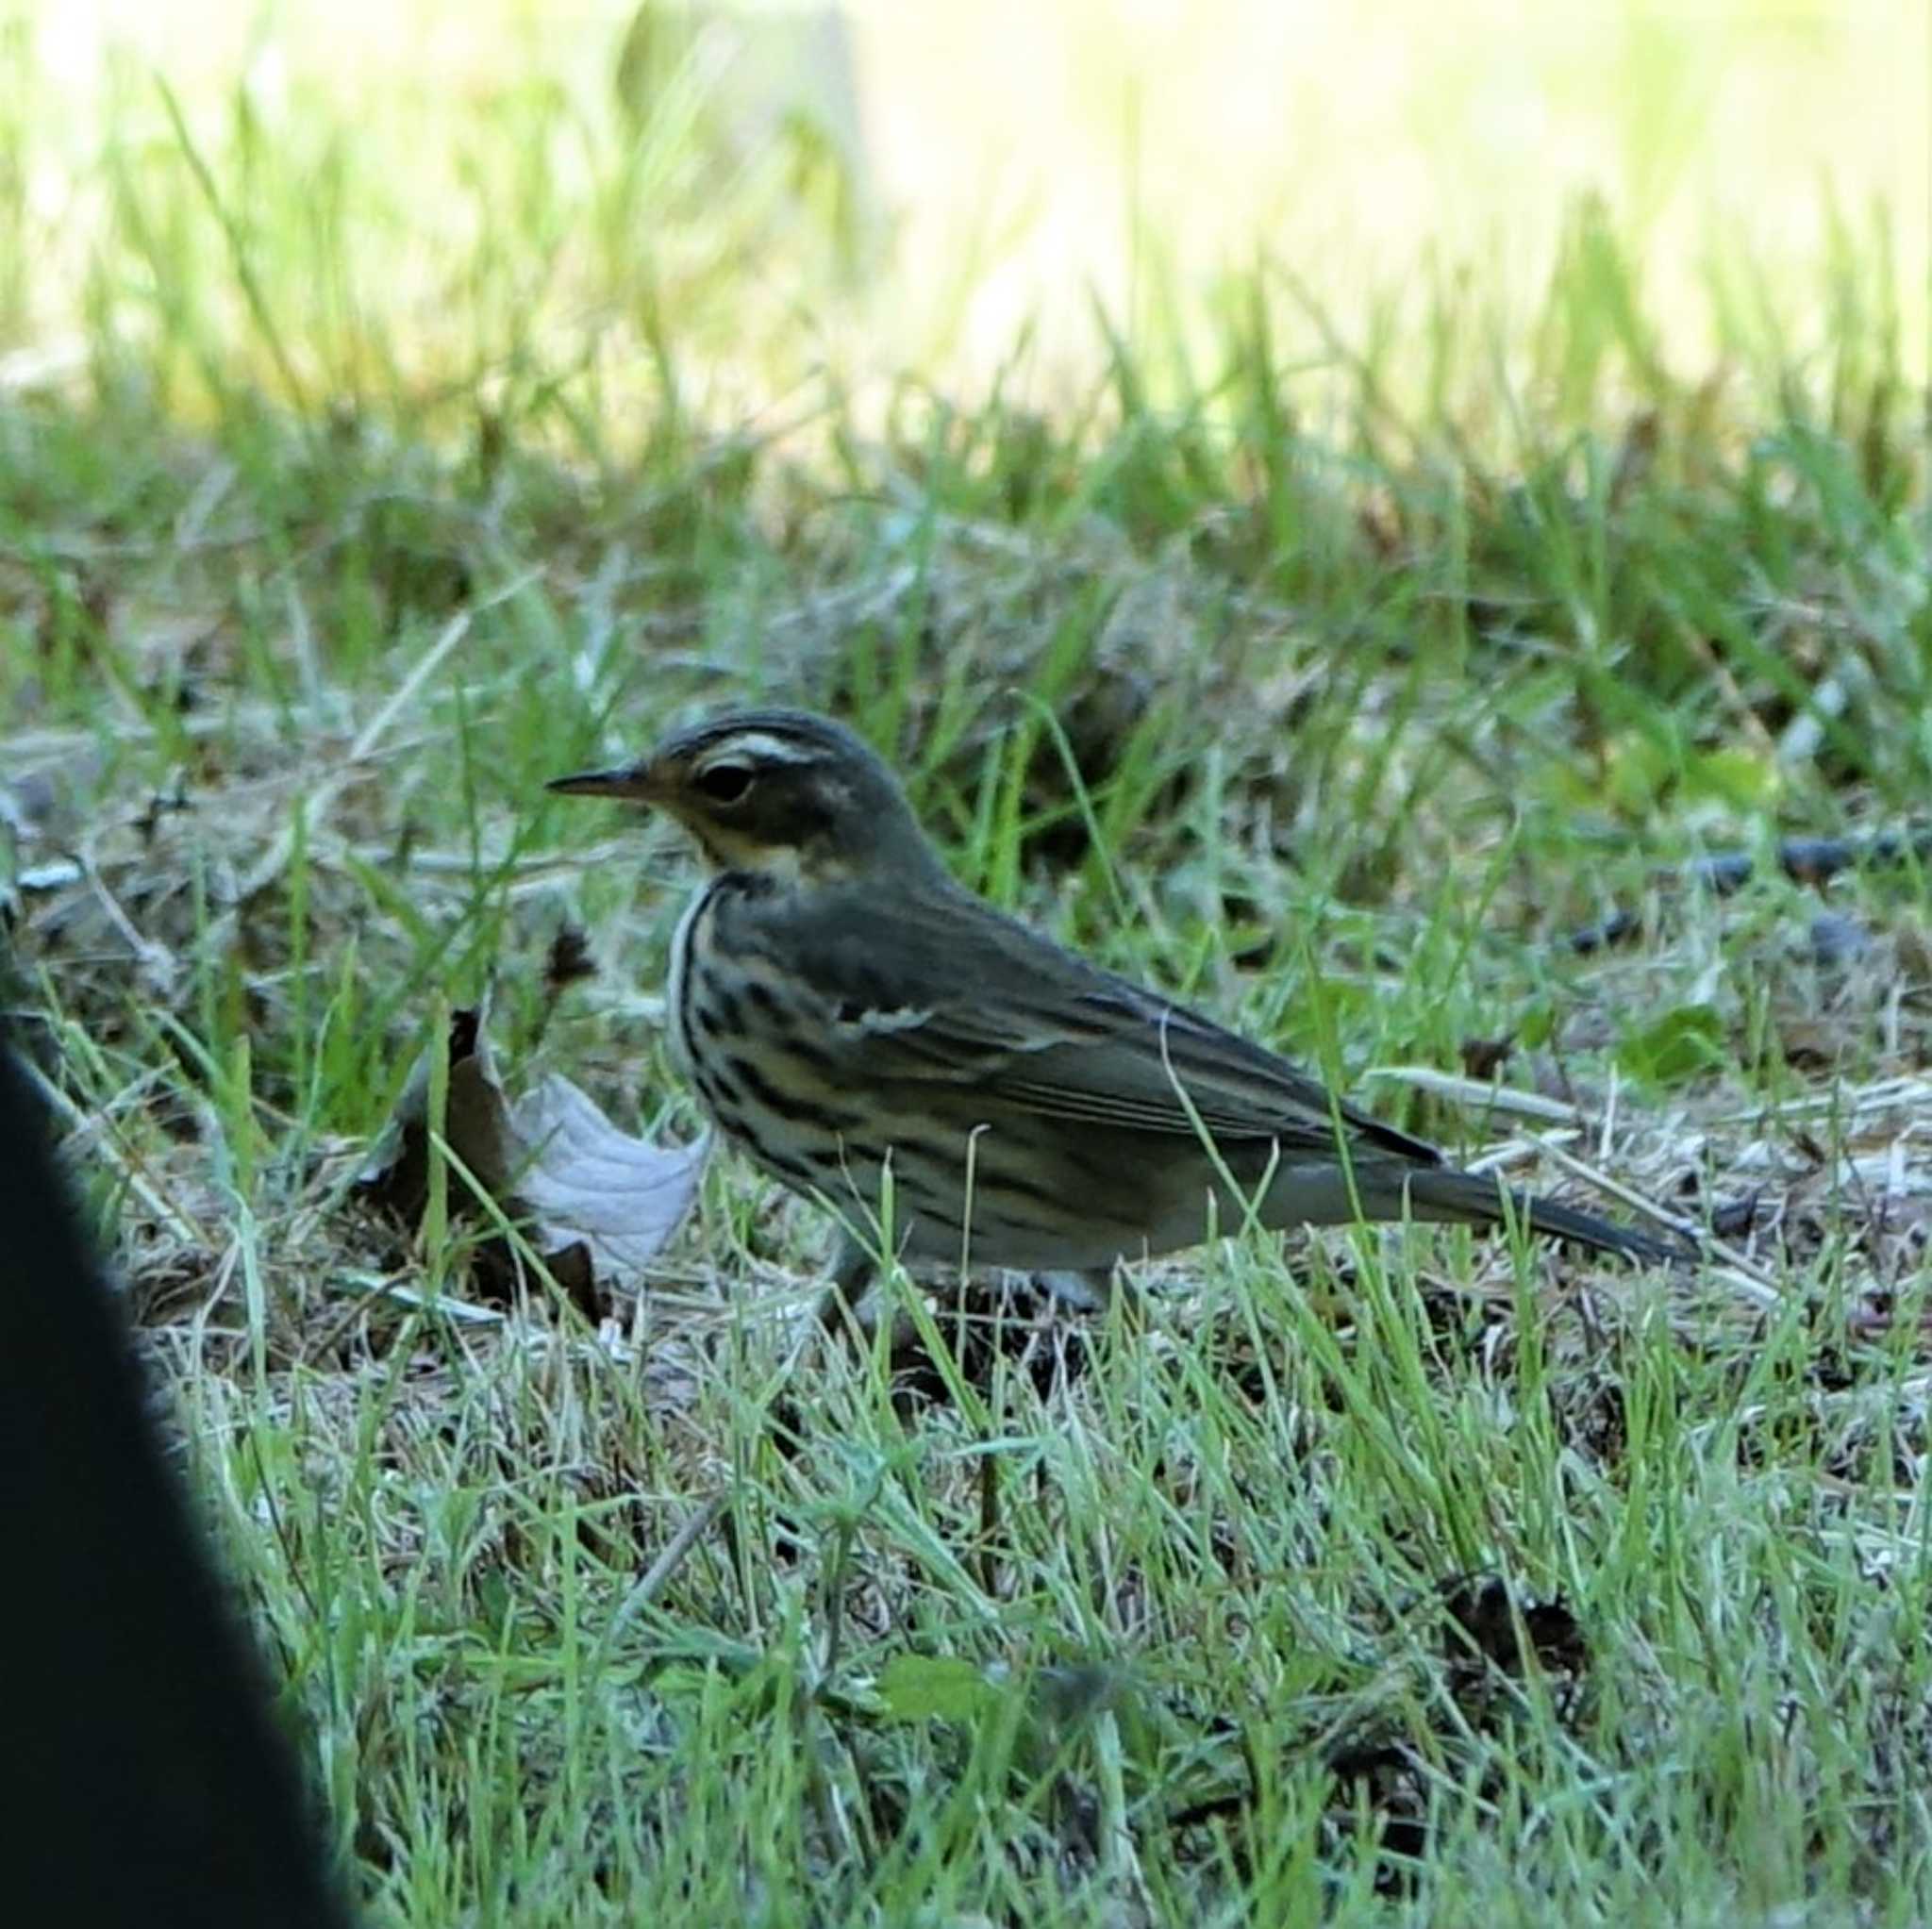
[785, 793]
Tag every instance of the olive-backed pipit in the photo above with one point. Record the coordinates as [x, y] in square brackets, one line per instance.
[842, 1005]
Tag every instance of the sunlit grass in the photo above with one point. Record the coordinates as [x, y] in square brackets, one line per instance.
[390, 209]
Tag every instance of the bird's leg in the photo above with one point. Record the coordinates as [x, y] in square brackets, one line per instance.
[843, 1307]
[1093, 1289]
[1088, 1288]
[854, 1268]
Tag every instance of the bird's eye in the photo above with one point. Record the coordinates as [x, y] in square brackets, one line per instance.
[725, 782]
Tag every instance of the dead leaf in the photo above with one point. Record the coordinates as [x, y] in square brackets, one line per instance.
[1484, 1614]
[567, 960]
[594, 1202]
[1486, 1057]
[622, 1196]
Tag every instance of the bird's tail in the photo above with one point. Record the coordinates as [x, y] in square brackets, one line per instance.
[1441, 1193]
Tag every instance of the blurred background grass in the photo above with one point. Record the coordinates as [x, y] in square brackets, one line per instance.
[394, 202]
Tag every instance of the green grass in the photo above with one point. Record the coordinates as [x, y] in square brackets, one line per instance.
[1330, 685]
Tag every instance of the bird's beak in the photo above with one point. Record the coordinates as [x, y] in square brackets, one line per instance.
[634, 784]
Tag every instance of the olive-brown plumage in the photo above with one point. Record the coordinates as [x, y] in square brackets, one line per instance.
[843, 1008]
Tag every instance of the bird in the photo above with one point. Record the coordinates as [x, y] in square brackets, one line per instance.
[866, 1028]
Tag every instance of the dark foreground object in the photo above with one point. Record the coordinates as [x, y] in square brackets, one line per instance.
[140, 1780]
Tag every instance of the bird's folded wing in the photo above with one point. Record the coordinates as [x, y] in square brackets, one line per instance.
[1032, 1025]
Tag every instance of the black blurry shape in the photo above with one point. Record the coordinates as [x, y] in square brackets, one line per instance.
[142, 1781]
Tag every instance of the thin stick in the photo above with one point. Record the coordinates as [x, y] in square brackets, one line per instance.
[657, 1576]
[1756, 1284]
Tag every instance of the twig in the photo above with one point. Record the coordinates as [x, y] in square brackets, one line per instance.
[657, 1576]
[1482, 1092]
[1755, 1284]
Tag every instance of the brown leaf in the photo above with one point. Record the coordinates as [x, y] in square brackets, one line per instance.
[567, 960]
[1486, 1057]
[595, 1203]
[1481, 1608]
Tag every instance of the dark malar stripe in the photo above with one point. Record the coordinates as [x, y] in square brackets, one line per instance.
[731, 894]
[694, 936]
